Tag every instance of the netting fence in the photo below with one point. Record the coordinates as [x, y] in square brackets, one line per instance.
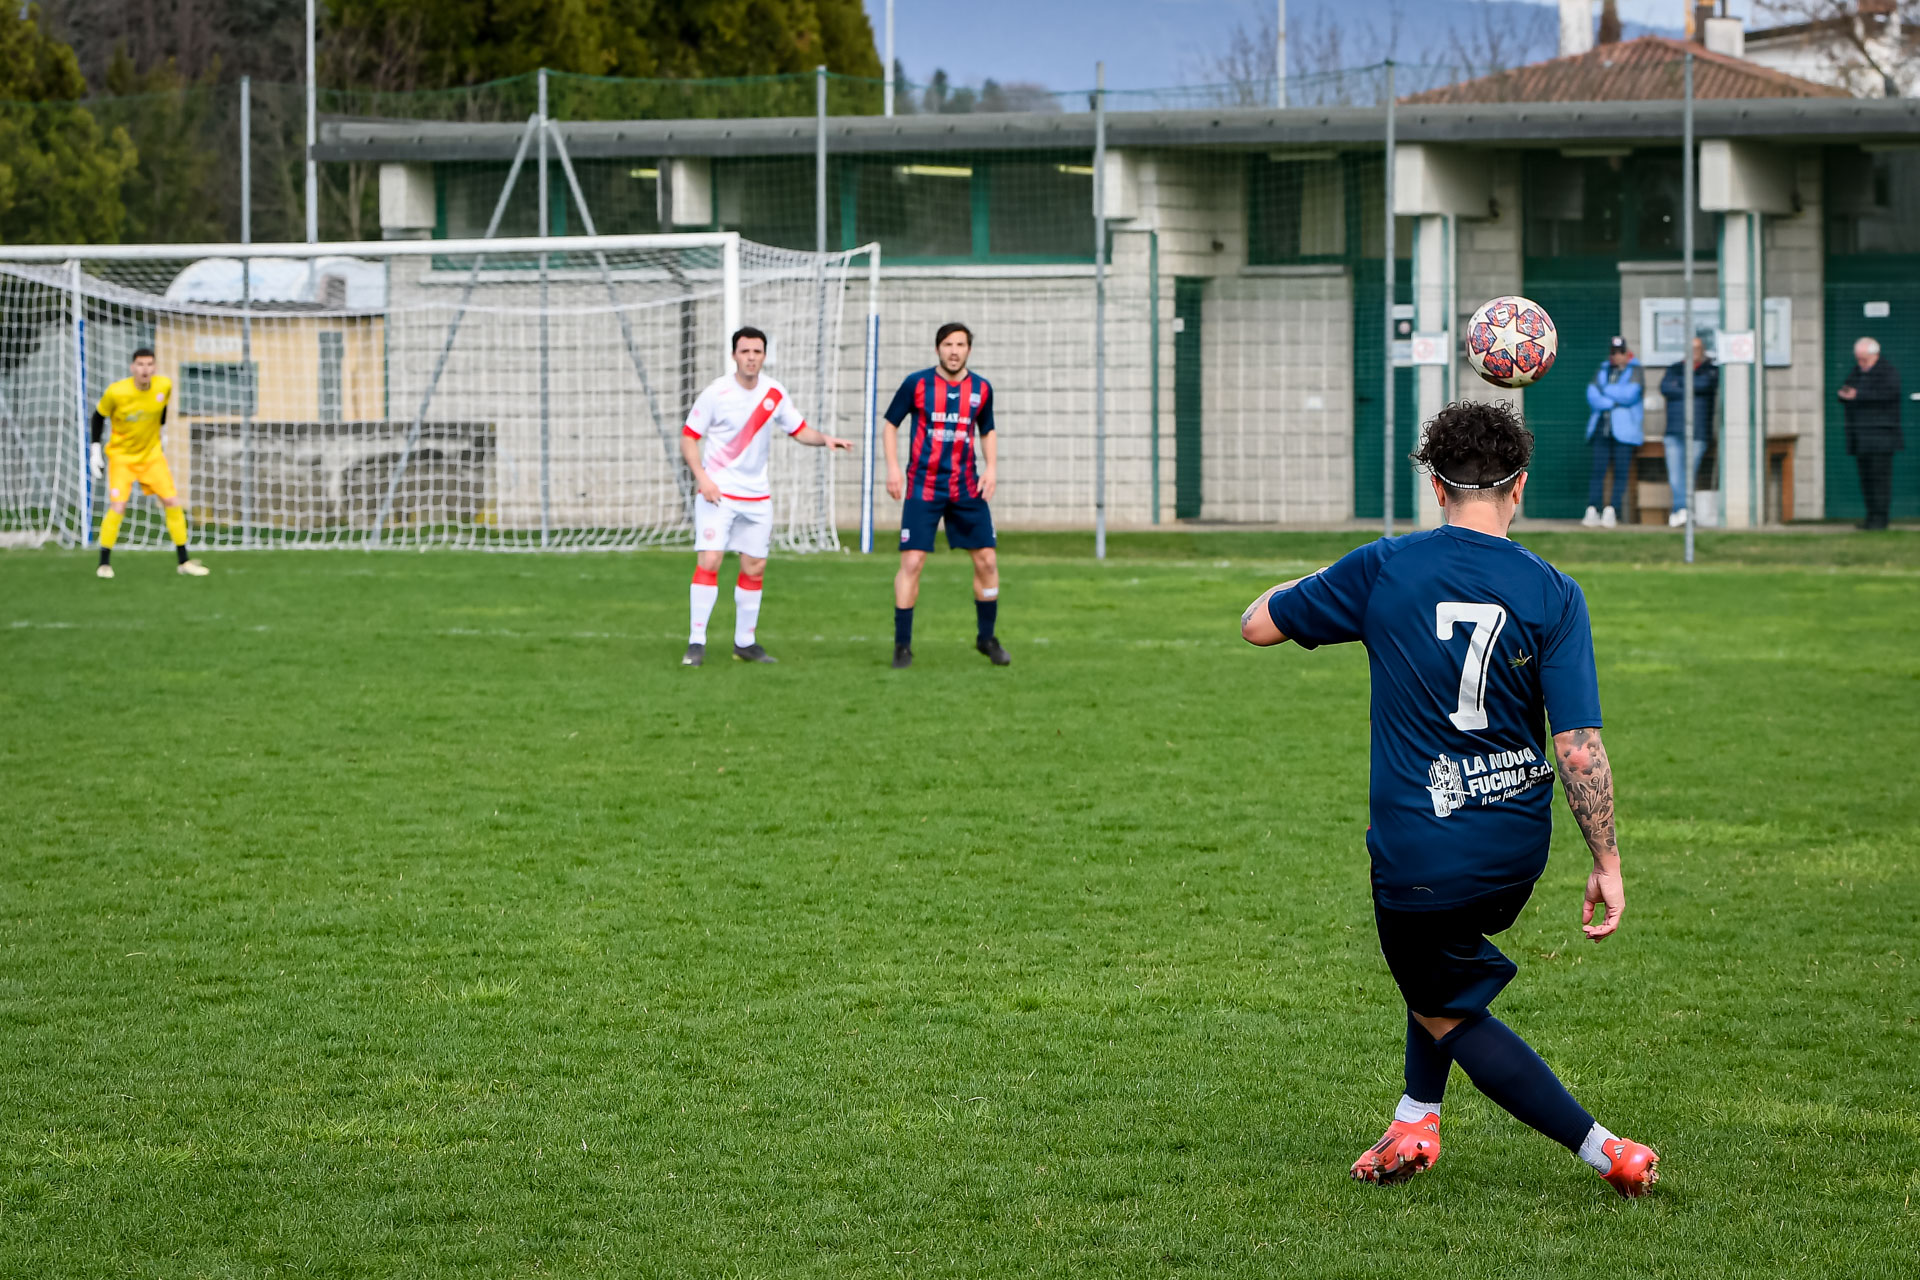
[503, 394]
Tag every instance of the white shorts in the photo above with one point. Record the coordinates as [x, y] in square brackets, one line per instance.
[746, 527]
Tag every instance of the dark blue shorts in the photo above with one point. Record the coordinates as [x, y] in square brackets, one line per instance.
[969, 523]
[1443, 961]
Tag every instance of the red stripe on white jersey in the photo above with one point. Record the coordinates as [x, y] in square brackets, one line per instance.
[726, 453]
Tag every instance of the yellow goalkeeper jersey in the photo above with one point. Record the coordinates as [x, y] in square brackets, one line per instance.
[135, 415]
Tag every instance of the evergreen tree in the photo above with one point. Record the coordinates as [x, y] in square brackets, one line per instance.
[470, 41]
[60, 171]
[173, 195]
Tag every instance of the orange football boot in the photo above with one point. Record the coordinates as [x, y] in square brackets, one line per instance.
[1635, 1167]
[1405, 1149]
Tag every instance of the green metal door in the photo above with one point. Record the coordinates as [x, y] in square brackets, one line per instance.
[1876, 298]
[1369, 356]
[1583, 297]
[1187, 293]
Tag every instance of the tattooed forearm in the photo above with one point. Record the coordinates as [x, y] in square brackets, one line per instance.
[1588, 777]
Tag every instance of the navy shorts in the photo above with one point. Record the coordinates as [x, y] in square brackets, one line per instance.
[969, 523]
[1443, 960]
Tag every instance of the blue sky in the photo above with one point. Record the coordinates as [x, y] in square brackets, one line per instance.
[1145, 43]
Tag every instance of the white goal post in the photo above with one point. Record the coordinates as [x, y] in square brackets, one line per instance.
[509, 394]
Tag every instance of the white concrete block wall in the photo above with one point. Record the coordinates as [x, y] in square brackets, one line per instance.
[613, 451]
[1277, 398]
[1488, 264]
[1033, 341]
[1795, 265]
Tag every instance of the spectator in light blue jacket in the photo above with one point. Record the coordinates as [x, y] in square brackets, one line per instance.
[1614, 429]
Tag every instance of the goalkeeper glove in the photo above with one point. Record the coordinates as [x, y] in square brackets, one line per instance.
[96, 460]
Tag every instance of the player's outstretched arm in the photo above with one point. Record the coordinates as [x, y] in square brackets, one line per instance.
[1256, 624]
[1587, 775]
[807, 435]
[690, 451]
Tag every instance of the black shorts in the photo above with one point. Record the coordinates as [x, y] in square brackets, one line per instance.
[969, 523]
[1442, 959]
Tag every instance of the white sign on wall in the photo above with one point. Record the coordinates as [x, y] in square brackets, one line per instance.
[1664, 329]
[1432, 348]
[1734, 348]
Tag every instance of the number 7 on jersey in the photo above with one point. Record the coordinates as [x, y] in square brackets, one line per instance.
[1487, 621]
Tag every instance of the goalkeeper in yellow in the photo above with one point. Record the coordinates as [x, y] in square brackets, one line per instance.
[136, 409]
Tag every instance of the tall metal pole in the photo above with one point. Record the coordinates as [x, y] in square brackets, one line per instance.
[1280, 54]
[819, 159]
[1687, 462]
[546, 421]
[1100, 311]
[246, 159]
[823, 460]
[887, 71]
[1388, 462]
[1153, 364]
[78, 319]
[248, 381]
[313, 138]
[870, 401]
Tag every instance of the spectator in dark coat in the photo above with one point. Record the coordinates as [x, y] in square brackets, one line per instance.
[1706, 390]
[1871, 394]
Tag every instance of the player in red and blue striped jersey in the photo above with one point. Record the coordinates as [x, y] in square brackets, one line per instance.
[952, 412]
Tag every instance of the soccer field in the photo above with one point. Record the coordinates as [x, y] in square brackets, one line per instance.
[397, 914]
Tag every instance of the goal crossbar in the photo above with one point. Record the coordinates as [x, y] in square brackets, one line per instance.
[505, 245]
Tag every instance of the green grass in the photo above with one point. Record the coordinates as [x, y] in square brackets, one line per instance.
[413, 914]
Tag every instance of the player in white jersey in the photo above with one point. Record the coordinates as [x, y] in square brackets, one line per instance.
[734, 509]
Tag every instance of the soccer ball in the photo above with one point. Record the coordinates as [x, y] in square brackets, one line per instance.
[1511, 341]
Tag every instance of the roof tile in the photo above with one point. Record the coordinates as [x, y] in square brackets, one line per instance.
[1648, 68]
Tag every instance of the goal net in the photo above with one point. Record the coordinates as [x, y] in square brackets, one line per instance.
[499, 394]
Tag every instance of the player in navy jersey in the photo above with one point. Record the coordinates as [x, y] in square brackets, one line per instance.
[1474, 644]
[952, 412]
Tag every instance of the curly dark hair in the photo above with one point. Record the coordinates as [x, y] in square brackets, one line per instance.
[1476, 447]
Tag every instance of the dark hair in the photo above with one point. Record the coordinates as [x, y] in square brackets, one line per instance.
[948, 330]
[747, 331]
[1476, 448]
[143, 351]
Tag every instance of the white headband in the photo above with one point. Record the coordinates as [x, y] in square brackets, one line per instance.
[1454, 484]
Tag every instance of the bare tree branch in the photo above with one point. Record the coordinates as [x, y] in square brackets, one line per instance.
[1868, 47]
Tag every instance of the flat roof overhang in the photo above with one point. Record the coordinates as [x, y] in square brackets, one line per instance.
[1791, 120]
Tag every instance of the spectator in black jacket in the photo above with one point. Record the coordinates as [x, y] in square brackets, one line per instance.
[1706, 390]
[1871, 394]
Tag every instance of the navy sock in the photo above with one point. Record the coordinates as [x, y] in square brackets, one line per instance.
[1506, 1069]
[986, 612]
[1427, 1064]
[903, 627]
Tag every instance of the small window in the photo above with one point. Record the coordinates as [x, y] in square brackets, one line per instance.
[622, 195]
[770, 200]
[1573, 205]
[1040, 208]
[1873, 202]
[1298, 206]
[333, 350]
[225, 390]
[918, 210]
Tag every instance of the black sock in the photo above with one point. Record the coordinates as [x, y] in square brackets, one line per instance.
[986, 612]
[106, 554]
[1506, 1069]
[903, 627]
[180, 552]
[1427, 1064]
